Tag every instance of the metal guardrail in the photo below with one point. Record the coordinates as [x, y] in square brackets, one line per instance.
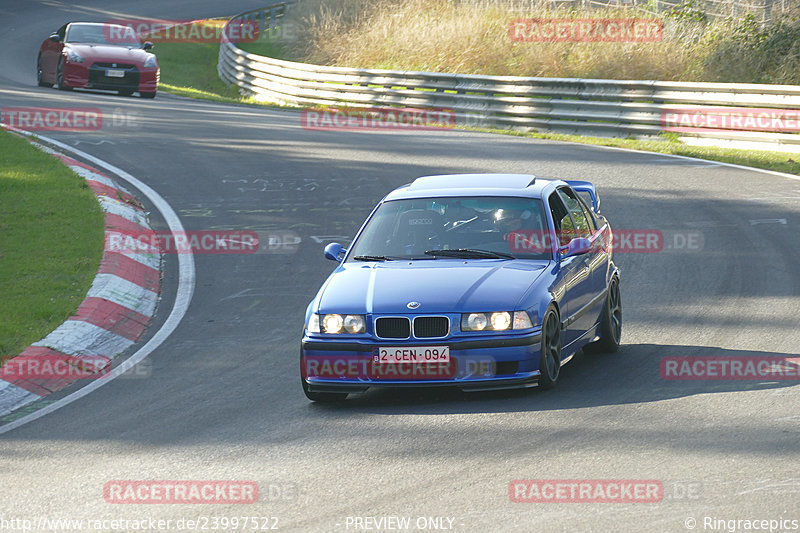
[617, 108]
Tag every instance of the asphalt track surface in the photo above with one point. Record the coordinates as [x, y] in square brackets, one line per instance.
[221, 399]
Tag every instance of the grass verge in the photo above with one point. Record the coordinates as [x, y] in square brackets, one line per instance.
[489, 38]
[190, 70]
[52, 241]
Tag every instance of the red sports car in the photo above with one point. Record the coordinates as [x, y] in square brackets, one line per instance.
[92, 55]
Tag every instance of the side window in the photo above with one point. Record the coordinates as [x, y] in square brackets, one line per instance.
[589, 215]
[62, 32]
[561, 219]
[582, 227]
[584, 197]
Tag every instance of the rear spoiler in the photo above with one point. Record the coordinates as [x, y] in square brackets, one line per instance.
[588, 188]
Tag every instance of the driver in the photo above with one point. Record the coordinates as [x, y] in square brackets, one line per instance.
[521, 230]
[508, 220]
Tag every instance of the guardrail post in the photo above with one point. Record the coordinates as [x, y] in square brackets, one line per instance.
[272, 18]
[766, 17]
[262, 25]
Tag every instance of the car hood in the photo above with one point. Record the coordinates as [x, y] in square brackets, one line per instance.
[108, 53]
[439, 286]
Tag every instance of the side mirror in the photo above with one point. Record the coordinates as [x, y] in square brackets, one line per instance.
[577, 246]
[56, 38]
[147, 45]
[334, 251]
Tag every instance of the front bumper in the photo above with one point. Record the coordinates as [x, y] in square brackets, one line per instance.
[83, 76]
[491, 363]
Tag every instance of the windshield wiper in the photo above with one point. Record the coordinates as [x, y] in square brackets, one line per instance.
[470, 253]
[372, 258]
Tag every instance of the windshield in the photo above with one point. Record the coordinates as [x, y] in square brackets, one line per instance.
[462, 226]
[110, 34]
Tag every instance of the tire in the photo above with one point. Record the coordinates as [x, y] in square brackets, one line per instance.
[550, 362]
[611, 321]
[60, 77]
[39, 73]
[323, 397]
[148, 95]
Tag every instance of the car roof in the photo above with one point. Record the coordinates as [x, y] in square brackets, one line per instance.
[525, 185]
[78, 23]
[101, 24]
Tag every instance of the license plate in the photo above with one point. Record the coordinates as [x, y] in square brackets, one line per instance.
[412, 354]
[115, 73]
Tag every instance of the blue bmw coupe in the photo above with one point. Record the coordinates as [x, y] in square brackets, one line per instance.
[479, 281]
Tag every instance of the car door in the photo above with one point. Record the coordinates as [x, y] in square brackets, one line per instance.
[573, 274]
[600, 253]
[51, 52]
[595, 265]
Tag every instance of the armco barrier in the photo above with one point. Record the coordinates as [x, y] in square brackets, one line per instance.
[612, 108]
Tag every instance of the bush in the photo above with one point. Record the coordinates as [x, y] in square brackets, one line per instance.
[465, 37]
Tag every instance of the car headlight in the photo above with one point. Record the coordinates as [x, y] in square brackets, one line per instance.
[354, 324]
[522, 320]
[474, 322]
[74, 56]
[335, 323]
[498, 321]
[332, 323]
[150, 62]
